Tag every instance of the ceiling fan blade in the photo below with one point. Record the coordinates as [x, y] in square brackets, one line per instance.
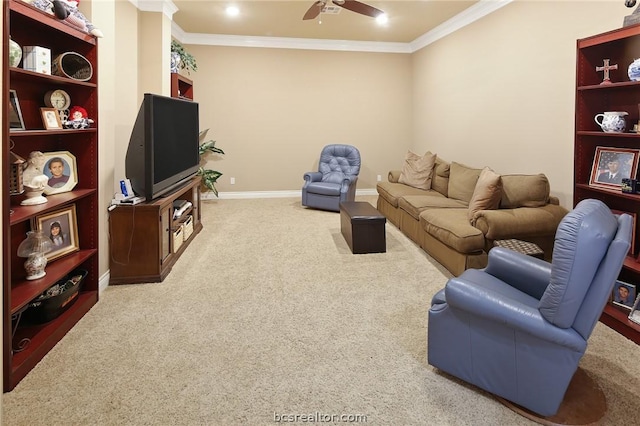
[314, 10]
[358, 7]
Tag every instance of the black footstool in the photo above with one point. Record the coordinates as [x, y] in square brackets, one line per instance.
[363, 227]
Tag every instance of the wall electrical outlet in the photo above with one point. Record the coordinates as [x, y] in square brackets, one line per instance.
[379, 178]
[233, 181]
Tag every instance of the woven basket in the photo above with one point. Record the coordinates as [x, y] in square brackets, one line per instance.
[72, 65]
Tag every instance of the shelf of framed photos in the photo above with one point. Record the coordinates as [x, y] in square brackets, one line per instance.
[25, 213]
[611, 192]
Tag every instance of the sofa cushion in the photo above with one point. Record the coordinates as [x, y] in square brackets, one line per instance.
[462, 181]
[452, 228]
[487, 193]
[524, 191]
[415, 204]
[391, 191]
[440, 180]
[417, 170]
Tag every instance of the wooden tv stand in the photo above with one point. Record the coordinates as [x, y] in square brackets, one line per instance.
[146, 241]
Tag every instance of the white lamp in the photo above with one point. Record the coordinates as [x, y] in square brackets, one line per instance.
[34, 248]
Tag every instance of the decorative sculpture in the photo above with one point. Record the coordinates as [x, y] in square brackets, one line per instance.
[34, 180]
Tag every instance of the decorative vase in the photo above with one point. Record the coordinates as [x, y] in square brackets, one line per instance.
[612, 121]
[34, 248]
[175, 62]
[15, 53]
[634, 70]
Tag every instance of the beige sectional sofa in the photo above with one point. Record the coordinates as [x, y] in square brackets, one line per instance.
[458, 235]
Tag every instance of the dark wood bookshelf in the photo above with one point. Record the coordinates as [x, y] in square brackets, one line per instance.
[24, 345]
[621, 47]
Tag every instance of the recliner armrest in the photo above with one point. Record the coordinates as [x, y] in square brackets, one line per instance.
[526, 273]
[508, 312]
[347, 182]
[313, 176]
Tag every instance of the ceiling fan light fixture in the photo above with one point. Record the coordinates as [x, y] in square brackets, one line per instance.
[232, 11]
[382, 19]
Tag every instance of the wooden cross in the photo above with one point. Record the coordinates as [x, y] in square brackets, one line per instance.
[606, 69]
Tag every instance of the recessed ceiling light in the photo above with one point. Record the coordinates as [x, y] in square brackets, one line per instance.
[382, 19]
[232, 11]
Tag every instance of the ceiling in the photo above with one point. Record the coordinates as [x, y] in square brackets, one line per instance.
[408, 20]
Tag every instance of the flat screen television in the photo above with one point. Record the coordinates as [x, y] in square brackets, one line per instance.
[163, 148]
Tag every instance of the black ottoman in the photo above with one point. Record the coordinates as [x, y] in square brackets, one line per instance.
[363, 227]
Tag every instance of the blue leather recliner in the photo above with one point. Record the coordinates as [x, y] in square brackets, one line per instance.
[519, 327]
[335, 180]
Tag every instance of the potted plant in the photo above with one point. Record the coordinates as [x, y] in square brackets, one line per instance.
[182, 59]
[209, 177]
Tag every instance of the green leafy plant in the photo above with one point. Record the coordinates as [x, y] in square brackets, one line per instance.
[209, 177]
[187, 61]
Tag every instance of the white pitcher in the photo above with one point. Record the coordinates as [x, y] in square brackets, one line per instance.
[612, 121]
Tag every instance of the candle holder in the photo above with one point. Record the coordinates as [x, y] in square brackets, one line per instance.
[34, 248]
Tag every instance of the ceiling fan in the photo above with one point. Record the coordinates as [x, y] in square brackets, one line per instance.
[352, 5]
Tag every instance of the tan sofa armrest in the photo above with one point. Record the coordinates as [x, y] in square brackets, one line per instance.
[520, 222]
[394, 176]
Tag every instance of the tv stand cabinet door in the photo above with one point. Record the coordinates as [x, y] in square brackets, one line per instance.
[165, 233]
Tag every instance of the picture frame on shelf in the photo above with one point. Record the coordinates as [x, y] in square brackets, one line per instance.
[62, 170]
[16, 122]
[634, 315]
[611, 165]
[62, 228]
[634, 218]
[623, 294]
[51, 119]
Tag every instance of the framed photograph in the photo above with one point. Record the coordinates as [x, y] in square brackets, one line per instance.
[51, 118]
[61, 169]
[611, 165]
[632, 249]
[15, 113]
[634, 315]
[624, 294]
[61, 226]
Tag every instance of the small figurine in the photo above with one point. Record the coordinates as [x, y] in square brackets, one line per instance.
[34, 179]
[77, 119]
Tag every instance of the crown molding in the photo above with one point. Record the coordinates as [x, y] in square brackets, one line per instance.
[461, 20]
[165, 6]
[291, 43]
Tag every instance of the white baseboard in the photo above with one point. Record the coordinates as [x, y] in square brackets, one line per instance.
[269, 194]
[103, 282]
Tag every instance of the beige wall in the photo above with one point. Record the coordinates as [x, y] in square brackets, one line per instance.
[272, 111]
[501, 91]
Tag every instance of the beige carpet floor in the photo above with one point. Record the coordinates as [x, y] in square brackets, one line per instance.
[268, 314]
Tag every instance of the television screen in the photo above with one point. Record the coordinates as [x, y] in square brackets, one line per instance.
[163, 148]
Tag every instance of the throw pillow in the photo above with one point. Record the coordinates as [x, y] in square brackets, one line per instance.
[462, 181]
[417, 171]
[524, 191]
[487, 193]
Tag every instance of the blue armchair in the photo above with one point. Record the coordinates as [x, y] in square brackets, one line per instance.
[335, 180]
[519, 327]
